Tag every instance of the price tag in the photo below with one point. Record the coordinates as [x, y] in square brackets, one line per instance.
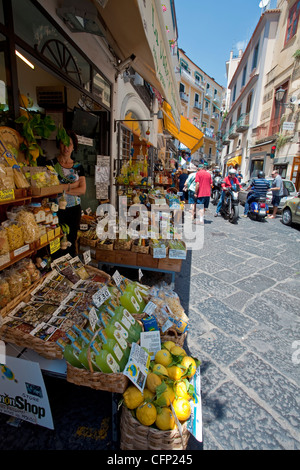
[93, 318]
[87, 257]
[150, 308]
[159, 252]
[54, 245]
[83, 227]
[117, 278]
[101, 296]
[177, 254]
[21, 250]
[7, 195]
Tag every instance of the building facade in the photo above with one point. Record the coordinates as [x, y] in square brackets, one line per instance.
[201, 99]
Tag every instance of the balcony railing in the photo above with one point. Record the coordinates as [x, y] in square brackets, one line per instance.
[266, 129]
[209, 133]
[233, 132]
[242, 123]
[184, 96]
[206, 111]
[225, 139]
[197, 105]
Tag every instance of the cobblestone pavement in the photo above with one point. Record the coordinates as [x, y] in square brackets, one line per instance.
[244, 316]
[241, 292]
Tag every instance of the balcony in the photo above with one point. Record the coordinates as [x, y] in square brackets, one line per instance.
[215, 116]
[233, 132]
[206, 111]
[184, 97]
[225, 139]
[266, 130]
[209, 133]
[243, 123]
[208, 94]
[197, 105]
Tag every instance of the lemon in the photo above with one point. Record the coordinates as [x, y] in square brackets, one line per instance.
[25, 101]
[160, 369]
[174, 372]
[181, 390]
[166, 398]
[153, 381]
[165, 420]
[148, 395]
[146, 414]
[168, 345]
[182, 408]
[178, 351]
[163, 357]
[132, 397]
[190, 364]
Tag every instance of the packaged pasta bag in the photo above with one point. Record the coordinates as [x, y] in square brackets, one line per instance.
[52, 176]
[14, 281]
[14, 234]
[4, 245]
[5, 297]
[6, 177]
[20, 179]
[31, 230]
[29, 265]
[24, 274]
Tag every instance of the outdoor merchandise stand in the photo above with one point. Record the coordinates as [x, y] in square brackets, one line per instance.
[119, 336]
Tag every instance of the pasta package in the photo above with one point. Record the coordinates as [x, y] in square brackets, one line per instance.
[31, 231]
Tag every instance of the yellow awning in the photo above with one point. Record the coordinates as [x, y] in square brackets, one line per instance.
[189, 135]
[235, 161]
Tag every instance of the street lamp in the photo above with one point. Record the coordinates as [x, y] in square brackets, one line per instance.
[279, 94]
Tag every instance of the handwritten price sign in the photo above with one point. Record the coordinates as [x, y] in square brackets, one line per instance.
[101, 296]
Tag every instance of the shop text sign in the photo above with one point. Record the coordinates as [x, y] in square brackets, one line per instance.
[23, 393]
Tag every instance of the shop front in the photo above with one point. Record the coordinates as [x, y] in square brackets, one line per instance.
[260, 159]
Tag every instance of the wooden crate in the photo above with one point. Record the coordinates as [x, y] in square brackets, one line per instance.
[105, 255]
[146, 260]
[47, 191]
[170, 264]
[126, 257]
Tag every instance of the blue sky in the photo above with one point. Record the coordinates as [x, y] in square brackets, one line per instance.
[208, 30]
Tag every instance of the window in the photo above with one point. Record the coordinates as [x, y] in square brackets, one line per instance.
[181, 88]
[292, 22]
[244, 75]
[255, 56]
[234, 93]
[196, 98]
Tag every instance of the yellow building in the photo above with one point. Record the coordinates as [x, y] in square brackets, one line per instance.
[201, 100]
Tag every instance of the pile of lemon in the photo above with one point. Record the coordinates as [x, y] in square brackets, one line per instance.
[167, 383]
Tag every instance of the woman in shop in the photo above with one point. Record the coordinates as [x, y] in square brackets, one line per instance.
[71, 175]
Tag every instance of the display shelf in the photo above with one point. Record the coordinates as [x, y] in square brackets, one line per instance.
[15, 259]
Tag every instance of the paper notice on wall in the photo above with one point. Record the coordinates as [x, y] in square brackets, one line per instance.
[103, 160]
[102, 191]
[102, 174]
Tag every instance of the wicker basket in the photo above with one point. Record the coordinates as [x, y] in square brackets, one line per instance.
[173, 335]
[46, 349]
[97, 380]
[91, 270]
[122, 245]
[136, 248]
[88, 242]
[135, 436]
[107, 245]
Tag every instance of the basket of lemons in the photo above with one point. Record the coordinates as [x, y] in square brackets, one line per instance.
[156, 419]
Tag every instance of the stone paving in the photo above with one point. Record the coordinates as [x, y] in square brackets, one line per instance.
[243, 306]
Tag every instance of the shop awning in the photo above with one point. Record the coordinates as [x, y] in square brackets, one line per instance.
[235, 161]
[137, 27]
[189, 135]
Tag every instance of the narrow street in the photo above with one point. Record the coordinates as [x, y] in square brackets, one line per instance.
[243, 305]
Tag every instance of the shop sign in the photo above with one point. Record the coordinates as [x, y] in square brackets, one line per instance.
[288, 126]
[159, 47]
[23, 394]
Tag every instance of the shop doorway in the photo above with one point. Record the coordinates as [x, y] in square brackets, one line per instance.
[256, 166]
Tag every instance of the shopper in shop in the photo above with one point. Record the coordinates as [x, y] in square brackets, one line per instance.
[71, 175]
[203, 191]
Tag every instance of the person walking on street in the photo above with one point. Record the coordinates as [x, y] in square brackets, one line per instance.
[182, 179]
[190, 186]
[277, 192]
[228, 181]
[203, 190]
[258, 188]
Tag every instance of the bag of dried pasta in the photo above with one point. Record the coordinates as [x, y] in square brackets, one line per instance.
[14, 235]
[14, 281]
[4, 245]
[31, 230]
[5, 297]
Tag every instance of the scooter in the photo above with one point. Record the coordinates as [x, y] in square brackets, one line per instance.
[216, 190]
[258, 209]
[230, 206]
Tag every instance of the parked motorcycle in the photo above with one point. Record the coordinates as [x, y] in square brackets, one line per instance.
[258, 209]
[230, 206]
[216, 190]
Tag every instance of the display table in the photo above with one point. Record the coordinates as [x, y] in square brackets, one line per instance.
[129, 259]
